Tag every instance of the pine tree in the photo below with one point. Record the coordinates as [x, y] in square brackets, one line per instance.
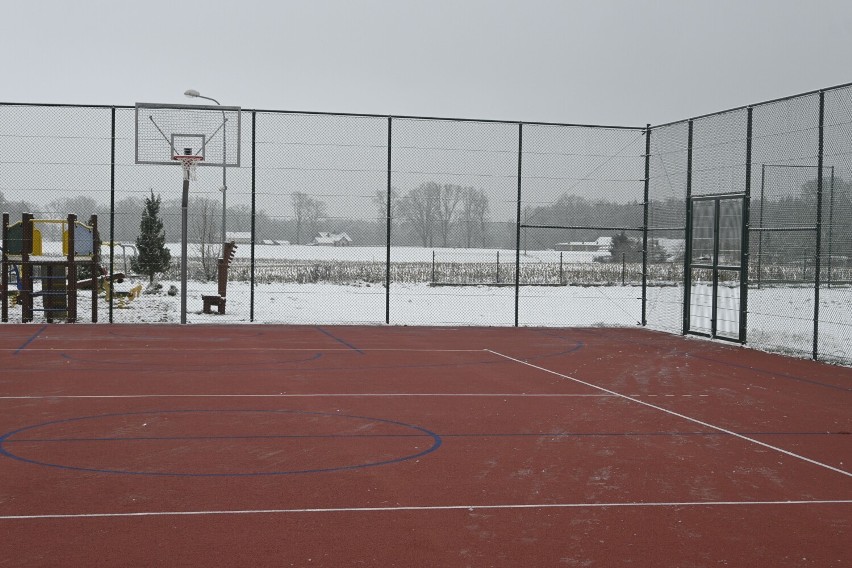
[152, 255]
[625, 248]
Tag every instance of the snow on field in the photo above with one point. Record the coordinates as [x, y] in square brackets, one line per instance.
[410, 304]
[398, 254]
[779, 319]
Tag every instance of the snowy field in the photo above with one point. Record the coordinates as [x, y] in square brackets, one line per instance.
[399, 254]
[780, 319]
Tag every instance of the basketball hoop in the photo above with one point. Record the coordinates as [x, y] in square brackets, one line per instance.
[189, 163]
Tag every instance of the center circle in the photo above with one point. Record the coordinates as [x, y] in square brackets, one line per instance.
[218, 443]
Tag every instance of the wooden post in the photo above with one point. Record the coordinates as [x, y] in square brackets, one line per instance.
[222, 265]
[4, 278]
[96, 265]
[26, 268]
[71, 271]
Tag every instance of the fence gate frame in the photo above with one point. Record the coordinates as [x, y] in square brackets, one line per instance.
[717, 262]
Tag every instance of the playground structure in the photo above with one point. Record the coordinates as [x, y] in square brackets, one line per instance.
[222, 265]
[23, 257]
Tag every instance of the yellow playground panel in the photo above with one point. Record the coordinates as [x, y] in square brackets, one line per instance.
[45, 274]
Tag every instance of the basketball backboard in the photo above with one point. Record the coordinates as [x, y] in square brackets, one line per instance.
[164, 131]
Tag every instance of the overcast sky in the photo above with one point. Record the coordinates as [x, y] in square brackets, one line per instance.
[616, 62]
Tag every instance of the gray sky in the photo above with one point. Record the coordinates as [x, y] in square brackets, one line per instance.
[616, 62]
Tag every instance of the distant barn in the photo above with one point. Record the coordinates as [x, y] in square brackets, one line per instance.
[239, 237]
[602, 244]
[332, 240]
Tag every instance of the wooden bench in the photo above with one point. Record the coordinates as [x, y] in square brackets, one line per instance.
[210, 301]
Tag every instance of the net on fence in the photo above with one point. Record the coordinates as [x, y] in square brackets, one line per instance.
[373, 219]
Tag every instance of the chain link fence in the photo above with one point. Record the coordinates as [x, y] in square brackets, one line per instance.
[425, 221]
[780, 172]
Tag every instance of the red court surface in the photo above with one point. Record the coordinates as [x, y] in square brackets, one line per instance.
[397, 446]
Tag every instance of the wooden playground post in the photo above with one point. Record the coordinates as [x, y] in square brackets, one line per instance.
[4, 278]
[71, 271]
[95, 265]
[26, 274]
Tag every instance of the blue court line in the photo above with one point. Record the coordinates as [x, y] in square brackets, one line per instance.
[421, 433]
[341, 341]
[30, 340]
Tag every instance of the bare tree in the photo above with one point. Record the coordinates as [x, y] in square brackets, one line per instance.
[81, 205]
[432, 209]
[420, 208]
[300, 201]
[380, 199]
[307, 212]
[204, 234]
[316, 210]
[449, 197]
[474, 215]
[14, 208]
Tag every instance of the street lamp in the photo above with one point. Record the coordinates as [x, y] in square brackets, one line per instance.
[195, 94]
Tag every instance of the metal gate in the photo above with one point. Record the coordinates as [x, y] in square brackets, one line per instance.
[715, 292]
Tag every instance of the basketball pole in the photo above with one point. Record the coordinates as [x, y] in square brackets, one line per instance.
[183, 247]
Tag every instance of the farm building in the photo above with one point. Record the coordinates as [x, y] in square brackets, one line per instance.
[238, 237]
[324, 239]
[602, 244]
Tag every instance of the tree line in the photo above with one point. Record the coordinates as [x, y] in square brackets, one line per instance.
[433, 214]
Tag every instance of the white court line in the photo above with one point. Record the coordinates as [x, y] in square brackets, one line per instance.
[147, 349]
[673, 413]
[426, 508]
[308, 395]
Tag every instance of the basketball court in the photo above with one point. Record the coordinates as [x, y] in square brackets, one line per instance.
[405, 446]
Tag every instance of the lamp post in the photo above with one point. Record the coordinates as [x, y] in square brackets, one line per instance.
[195, 94]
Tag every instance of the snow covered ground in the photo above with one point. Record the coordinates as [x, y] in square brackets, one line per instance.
[780, 318]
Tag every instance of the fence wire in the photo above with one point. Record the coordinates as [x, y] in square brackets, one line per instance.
[402, 220]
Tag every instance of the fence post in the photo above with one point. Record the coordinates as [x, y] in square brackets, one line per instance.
[498, 267]
[645, 225]
[745, 252]
[518, 221]
[111, 217]
[623, 268]
[561, 271]
[830, 223]
[760, 231]
[687, 248]
[253, 211]
[818, 263]
[388, 227]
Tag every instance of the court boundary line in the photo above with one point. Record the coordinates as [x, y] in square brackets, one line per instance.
[207, 349]
[29, 341]
[308, 395]
[428, 508]
[673, 413]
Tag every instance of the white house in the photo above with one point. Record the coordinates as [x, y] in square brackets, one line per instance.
[324, 239]
[602, 244]
[239, 237]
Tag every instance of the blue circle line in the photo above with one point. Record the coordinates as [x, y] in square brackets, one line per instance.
[436, 443]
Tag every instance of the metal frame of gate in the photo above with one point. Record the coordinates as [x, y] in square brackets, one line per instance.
[723, 257]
